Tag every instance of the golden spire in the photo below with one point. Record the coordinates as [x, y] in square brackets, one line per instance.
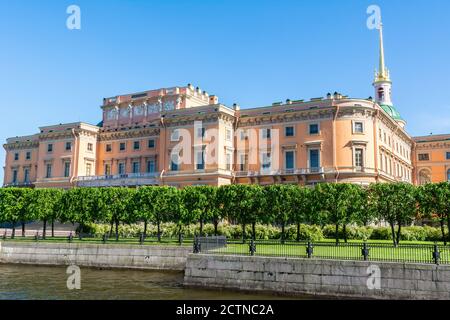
[383, 72]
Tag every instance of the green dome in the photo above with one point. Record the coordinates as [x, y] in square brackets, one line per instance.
[390, 110]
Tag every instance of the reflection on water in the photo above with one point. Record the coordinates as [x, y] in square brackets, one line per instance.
[42, 282]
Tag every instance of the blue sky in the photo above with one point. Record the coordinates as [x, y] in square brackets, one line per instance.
[250, 52]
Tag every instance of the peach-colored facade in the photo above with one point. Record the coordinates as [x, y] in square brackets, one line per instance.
[432, 159]
[183, 136]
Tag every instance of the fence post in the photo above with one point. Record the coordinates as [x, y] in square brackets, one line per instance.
[141, 238]
[252, 247]
[197, 245]
[70, 238]
[105, 237]
[365, 251]
[436, 254]
[36, 236]
[309, 250]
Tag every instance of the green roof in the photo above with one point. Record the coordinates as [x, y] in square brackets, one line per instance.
[390, 110]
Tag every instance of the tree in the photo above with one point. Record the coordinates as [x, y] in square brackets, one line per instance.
[44, 206]
[239, 204]
[11, 202]
[395, 203]
[145, 205]
[81, 205]
[279, 202]
[116, 207]
[165, 206]
[196, 202]
[302, 210]
[336, 201]
[432, 203]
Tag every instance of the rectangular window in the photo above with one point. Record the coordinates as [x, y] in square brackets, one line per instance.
[14, 176]
[174, 162]
[16, 156]
[314, 161]
[122, 146]
[136, 145]
[28, 155]
[289, 131]
[175, 136]
[266, 161]
[359, 163]
[26, 175]
[88, 169]
[228, 134]
[68, 146]
[200, 160]
[66, 169]
[121, 168]
[48, 173]
[448, 156]
[358, 127]
[289, 160]
[50, 147]
[90, 146]
[424, 157]
[314, 128]
[228, 161]
[108, 148]
[107, 169]
[201, 132]
[266, 133]
[151, 166]
[243, 159]
[151, 143]
[136, 167]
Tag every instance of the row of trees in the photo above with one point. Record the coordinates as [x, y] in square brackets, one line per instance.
[342, 205]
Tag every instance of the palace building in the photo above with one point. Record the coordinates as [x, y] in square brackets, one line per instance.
[183, 136]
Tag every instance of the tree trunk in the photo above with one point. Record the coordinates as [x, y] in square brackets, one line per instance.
[298, 232]
[180, 240]
[344, 230]
[159, 231]
[111, 229]
[145, 229]
[201, 227]
[254, 230]
[216, 227]
[13, 234]
[393, 234]
[243, 233]
[399, 233]
[117, 230]
[23, 228]
[443, 232]
[53, 228]
[44, 229]
[282, 232]
[336, 234]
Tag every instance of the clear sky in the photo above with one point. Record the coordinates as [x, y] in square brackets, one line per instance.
[250, 52]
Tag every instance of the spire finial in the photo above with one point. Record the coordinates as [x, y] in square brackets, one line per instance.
[383, 72]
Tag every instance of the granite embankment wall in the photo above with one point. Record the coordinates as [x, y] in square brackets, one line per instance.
[319, 277]
[96, 255]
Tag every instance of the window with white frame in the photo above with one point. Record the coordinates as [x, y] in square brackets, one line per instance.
[266, 162]
[175, 136]
[228, 134]
[289, 159]
[359, 158]
[358, 127]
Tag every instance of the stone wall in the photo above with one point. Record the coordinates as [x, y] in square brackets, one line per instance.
[319, 277]
[96, 255]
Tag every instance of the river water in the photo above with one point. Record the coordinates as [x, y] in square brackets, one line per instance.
[26, 282]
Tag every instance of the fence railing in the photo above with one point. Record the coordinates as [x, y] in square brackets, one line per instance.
[363, 251]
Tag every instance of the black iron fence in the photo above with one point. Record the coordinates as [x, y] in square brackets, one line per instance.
[364, 251]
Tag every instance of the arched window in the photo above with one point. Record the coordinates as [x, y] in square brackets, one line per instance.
[424, 177]
[380, 94]
[448, 175]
